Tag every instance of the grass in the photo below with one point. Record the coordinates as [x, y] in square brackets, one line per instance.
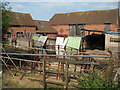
[10, 84]
[30, 75]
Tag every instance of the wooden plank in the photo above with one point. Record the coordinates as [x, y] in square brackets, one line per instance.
[54, 72]
[44, 74]
[66, 76]
[73, 62]
[19, 59]
[7, 67]
[50, 82]
[54, 60]
[60, 72]
[9, 58]
[20, 63]
[23, 75]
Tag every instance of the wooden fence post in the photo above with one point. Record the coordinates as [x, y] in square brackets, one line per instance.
[44, 74]
[20, 64]
[66, 75]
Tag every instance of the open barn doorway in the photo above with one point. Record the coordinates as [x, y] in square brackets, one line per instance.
[95, 41]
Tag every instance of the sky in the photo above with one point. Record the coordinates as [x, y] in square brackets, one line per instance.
[45, 10]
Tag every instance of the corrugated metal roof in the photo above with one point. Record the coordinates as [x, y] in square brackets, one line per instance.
[87, 17]
[22, 19]
[112, 32]
[44, 27]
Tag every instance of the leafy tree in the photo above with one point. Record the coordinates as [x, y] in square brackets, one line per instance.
[5, 9]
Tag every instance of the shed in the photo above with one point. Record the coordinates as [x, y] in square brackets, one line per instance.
[112, 41]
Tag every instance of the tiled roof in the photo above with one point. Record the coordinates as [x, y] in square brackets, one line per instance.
[86, 17]
[22, 19]
[44, 27]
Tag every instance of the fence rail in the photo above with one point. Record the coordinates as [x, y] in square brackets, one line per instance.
[44, 58]
[92, 56]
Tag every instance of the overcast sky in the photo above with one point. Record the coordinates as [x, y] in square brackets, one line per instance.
[45, 10]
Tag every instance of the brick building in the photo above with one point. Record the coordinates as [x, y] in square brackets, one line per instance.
[72, 23]
[94, 23]
[21, 24]
[44, 28]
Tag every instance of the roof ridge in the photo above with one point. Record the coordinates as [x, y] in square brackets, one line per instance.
[86, 17]
[20, 13]
[91, 11]
[41, 20]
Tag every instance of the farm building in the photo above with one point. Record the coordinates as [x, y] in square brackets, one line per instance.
[72, 23]
[44, 28]
[91, 25]
[105, 41]
[21, 29]
[21, 24]
[112, 41]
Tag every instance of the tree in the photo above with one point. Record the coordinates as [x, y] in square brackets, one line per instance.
[6, 9]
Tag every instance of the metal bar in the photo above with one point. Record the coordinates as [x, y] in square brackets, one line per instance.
[95, 56]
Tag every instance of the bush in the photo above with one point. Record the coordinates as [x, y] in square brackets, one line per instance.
[94, 80]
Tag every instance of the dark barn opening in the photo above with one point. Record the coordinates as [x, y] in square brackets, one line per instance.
[95, 41]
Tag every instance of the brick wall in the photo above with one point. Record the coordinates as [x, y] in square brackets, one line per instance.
[64, 29]
[51, 35]
[99, 27]
[14, 30]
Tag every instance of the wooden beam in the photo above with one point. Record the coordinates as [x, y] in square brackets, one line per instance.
[66, 76]
[44, 74]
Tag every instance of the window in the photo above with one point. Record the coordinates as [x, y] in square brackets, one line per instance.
[114, 39]
[19, 34]
[107, 27]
